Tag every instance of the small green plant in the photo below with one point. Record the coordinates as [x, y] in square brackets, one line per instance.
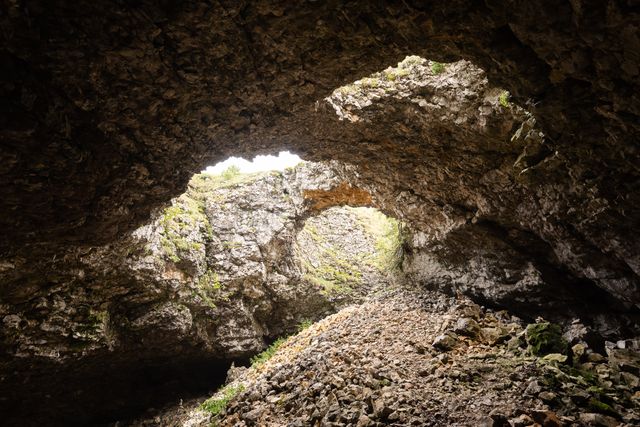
[179, 220]
[215, 405]
[389, 237]
[393, 73]
[348, 89]
[437, 67]
[261, 358]
[231, 172]
[545, 338]
[503, 99]
[604, 408]
[390, 76]
[305, 324]
[210, 281]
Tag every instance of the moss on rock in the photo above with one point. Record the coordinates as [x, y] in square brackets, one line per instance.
[545, 338]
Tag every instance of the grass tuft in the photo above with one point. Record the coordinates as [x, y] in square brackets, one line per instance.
[305, 324]
[260, 358]
[215, 405]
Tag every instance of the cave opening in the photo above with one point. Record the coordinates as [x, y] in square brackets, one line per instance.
[260, 163]
[520, 243]
[249, 255]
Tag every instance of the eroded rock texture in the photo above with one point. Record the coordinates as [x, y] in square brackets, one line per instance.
[109, 107]
[231, 265]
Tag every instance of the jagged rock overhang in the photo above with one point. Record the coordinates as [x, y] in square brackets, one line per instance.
[110, 72]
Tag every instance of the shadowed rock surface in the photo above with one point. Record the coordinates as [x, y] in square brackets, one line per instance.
[526, 200]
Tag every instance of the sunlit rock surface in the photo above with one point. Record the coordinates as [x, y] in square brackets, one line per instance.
[232, 264]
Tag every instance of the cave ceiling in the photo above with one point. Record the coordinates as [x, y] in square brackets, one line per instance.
[108, 108]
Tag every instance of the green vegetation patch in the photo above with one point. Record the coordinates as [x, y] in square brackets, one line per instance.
[215, 405]
[599, 406]
[94, 325]
[186, 214]
[389, 236]
[385, 80]
[335, 275]
[394, 73]
[260, 358]
[203, 184]
[545, 338]
[503, 99]
[410, 61]
[370, 82]
[437, 67]
[304, 324]
[338, 272]
[230, 173]
[210, 281]
[209, 288]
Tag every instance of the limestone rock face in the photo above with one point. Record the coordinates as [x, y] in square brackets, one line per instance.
[225, 269]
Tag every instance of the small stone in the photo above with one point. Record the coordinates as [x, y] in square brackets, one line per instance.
[500, 420]
[546, 418]
[547, 396]
[533, 388]
[445, 342]
[443, 358]
[631, 380]
[578, 351]
[490, 335]
[394, 416]
[579, 396]
[555, 357]
[363, 421]
[522, 421]
[514, 344]
[380, 408]
[598, 420]
[467, 326]
[252, 416]
[595, 358]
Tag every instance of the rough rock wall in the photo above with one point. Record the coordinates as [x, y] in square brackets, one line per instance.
[470, 187]
[351, 253]
[214, 278]
[110, 107]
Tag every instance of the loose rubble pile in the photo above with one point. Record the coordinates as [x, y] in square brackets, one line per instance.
[428, 360]
[408, 358]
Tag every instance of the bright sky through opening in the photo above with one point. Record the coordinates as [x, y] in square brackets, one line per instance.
[259, 164]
